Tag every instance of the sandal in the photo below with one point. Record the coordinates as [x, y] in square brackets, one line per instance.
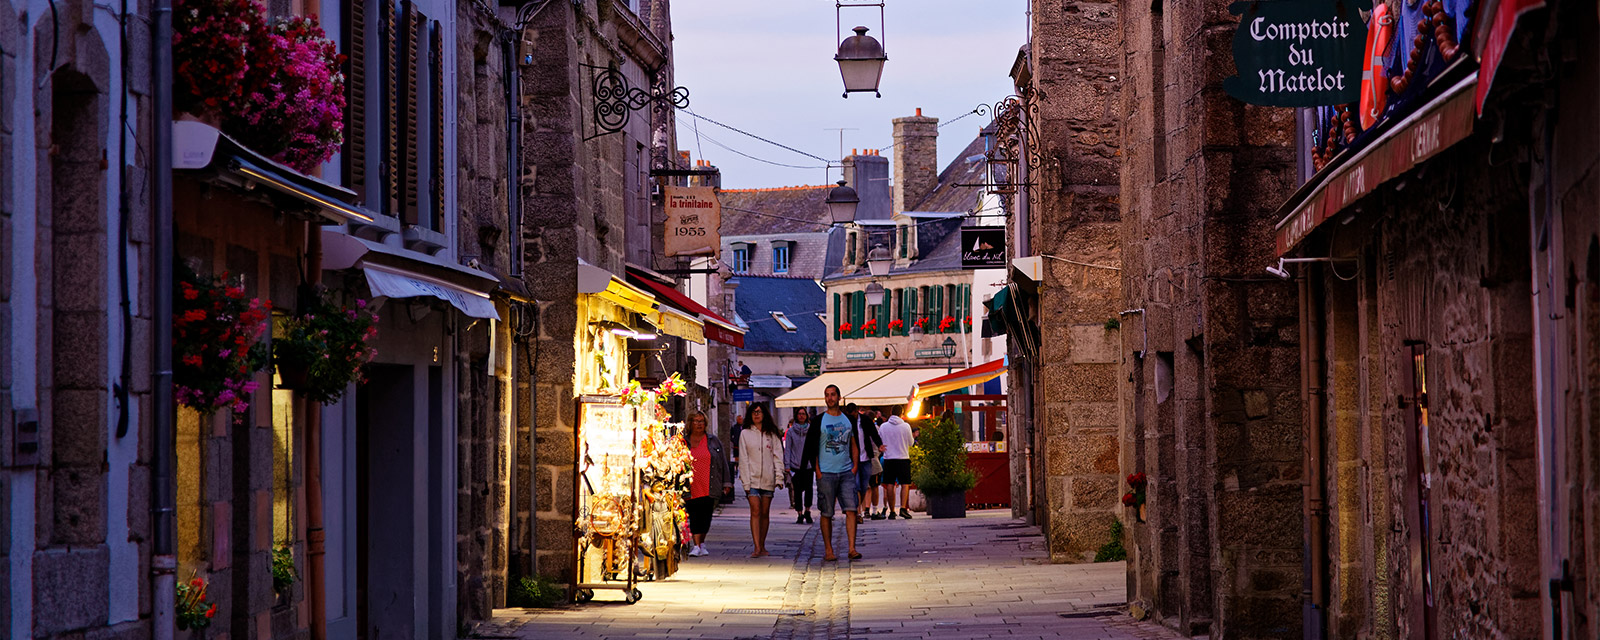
[855, 555]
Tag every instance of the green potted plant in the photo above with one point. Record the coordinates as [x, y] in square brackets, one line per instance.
[941, 471]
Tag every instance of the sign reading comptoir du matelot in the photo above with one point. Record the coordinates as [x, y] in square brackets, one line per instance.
[1297, 53]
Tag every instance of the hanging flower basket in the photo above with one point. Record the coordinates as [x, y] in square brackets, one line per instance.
[293, 105]
[921, 323]
[896, 325]
[276, 87]
[870, 327]
[216, 342]
[329, 343]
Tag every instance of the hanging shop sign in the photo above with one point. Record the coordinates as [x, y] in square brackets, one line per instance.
[813, 365]
[983, 247]
[1297, 53]
[694, 220]
[744, 394]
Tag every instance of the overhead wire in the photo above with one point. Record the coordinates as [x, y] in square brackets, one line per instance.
[752, 135]
[715, 142]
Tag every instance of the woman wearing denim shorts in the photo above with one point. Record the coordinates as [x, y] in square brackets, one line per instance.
[761, 470]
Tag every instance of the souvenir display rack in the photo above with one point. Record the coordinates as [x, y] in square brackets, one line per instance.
[665, 471]
[606, 535]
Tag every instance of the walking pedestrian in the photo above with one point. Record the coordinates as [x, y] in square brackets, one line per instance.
[831, 450]
[708, 480]
[761, 470]
[794, 445]
[872, 447]
[897, 441]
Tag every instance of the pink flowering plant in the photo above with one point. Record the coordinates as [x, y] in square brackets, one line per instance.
[216, 342]
[275, 87]
[293, 104]
[329, 343]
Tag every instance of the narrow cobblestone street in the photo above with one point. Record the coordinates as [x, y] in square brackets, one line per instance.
[984, 576]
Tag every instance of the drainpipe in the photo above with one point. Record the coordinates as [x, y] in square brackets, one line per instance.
[163, 561]
[315, 536]
[1314, 398]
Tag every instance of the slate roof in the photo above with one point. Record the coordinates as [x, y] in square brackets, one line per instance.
[967, 168]
[799, 299]
[787, 209]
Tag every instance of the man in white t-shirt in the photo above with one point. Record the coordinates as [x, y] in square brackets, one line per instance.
[897, 441]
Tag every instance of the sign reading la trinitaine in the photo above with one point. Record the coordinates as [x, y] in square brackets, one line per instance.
[1297, 53]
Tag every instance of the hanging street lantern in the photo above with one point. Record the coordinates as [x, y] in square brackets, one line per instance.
[842, 201]
[876, 293]
[879, 259]
[860, 56]
[949, 347]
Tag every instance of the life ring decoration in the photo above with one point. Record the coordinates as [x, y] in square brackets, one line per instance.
[1375, 66]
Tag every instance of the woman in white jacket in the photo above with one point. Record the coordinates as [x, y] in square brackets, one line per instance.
[761, 470]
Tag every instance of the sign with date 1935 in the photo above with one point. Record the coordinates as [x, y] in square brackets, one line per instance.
[1297, 53]
[694, 221]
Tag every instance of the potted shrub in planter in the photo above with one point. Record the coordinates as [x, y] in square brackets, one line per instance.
[942, 474]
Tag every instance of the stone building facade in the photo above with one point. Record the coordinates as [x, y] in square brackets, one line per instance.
[75, 375]
[1064, 398]
[1448, 344]
[584, 197]
[1209, 341]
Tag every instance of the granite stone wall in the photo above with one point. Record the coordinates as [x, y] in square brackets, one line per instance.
[1074, 217]
[483, 484]
[1211, 409]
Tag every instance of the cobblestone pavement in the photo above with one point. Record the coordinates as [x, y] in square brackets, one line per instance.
[985, 576]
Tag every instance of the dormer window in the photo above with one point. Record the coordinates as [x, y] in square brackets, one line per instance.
[905, 241]
[741, 258]
[850, 249]
[782, 251]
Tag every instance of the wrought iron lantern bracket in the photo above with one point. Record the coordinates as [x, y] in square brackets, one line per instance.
[615, 99]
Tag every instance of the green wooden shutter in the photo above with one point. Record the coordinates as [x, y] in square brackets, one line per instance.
[838, 312]
[860, 300]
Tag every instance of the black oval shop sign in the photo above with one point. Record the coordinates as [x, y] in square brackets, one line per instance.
[1297, 53]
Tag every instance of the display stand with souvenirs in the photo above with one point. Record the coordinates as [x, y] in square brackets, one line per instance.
[633, 469]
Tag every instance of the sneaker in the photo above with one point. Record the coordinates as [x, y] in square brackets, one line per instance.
[808, 518]
[879, 515]
[800, 519]
[891, 515]
[700, 550]
[905, 513]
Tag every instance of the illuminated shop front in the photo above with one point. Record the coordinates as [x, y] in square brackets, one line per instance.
[631, 466]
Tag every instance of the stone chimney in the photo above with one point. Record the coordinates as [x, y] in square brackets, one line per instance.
[868, 173]
[916, 159]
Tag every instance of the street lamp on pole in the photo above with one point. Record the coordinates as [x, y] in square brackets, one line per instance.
[842, 201]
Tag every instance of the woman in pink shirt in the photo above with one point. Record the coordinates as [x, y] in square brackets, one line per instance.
[708, 482]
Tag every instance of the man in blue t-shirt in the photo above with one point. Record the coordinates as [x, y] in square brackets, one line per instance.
[832, 450]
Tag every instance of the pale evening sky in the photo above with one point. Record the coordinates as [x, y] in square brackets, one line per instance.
[766, 66]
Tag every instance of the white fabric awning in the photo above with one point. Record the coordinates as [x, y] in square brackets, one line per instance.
[892, 389]
[396, 283]
[810, 394]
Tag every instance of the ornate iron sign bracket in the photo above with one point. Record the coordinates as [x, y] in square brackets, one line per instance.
[615, 99]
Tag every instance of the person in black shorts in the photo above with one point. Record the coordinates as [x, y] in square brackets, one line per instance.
[897, 440]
